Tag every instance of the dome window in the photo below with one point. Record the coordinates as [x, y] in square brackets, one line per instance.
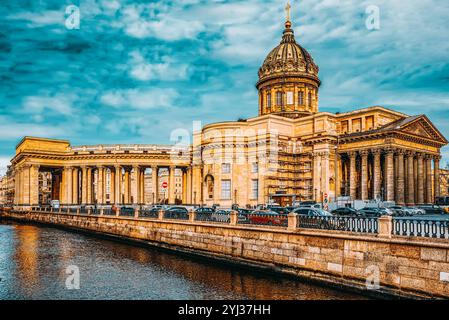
[301, 98]
[279, 100]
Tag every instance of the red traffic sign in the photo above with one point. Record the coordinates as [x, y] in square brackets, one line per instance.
[326, 195]
[165, 184]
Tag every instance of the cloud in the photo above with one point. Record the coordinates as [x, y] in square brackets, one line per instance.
[140, 99]
[165, 71]
[39, 104]
[4, 163]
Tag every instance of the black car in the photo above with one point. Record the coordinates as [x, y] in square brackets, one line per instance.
[204, 210]
[370, 212]
[177, 213]
[346, 211]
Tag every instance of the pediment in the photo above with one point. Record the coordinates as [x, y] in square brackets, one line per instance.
[423, 127]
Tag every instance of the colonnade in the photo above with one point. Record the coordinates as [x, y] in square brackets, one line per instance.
[87, 184]
[390, 174]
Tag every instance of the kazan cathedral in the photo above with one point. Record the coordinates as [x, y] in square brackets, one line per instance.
[289, 152]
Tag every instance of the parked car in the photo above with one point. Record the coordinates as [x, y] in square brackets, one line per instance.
[416, 210]
[223, 215]
[278, 209]
[267, 217]
[432, 209]
[314, 212]
[125, 211]
[310, 205]
[345, 211]
[400, 211]
[204, 210]
[177, 212]
[370, 212]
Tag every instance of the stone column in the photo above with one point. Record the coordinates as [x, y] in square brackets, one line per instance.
[34, 185]
[171, 185]
[317, 176]
[142, 186]
[376, 174]
[184, 185]
[26, 184]
[69, 185]
[84, 185]
[352, 175]
[118, 185]
[89, 186]
[155, 183]
[389, 164]
[100, 185]
[364, 156]
[75, 186]
[410, 180]
[401, 178]
[112, 186]
[135, 184]
[126, 187]
[324, 174]
[415, 178]
[338, 174]
[420, 181]
[436, 179]
[428, 165]
[16, 185]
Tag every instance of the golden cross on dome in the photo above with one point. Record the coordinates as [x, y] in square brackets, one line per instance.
[287, 10]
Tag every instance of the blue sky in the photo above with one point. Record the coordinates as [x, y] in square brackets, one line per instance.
[136, 70]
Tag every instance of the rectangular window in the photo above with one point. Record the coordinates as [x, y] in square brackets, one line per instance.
[255, 167]
[369, 122]
[345, 126]
[226, 189]
[357, 125]
[279, 101]
[255, 189]
[301, 98]
[269, 100]
[289, 98]
[309, 102]
[226, 168]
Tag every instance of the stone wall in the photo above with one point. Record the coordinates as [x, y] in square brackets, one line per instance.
[416, 267]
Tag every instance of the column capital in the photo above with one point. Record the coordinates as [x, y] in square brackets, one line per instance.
[117, 166]
[400, 152]
[428, 156]
[437, 157]
[389, 150]
[376, 152]
[364, 153]
[419, 155]
[410, 153]
[352, 154]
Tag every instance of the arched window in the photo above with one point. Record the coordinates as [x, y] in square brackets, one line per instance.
[279, 100]
[269, 100]
[301, 98]
[210, 186]
[309, 99]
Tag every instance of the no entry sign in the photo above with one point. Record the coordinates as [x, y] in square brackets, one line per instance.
[164, 185]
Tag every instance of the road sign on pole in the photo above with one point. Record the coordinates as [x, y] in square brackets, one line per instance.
[164, 184]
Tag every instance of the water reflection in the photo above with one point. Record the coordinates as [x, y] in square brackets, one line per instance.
[34, 260]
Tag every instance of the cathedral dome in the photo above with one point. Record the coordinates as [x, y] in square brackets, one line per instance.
[288, 59]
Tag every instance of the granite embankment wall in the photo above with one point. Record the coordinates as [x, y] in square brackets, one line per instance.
[407, 266]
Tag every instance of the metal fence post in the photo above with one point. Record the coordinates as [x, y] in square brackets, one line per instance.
[292, 221]
[385, 226]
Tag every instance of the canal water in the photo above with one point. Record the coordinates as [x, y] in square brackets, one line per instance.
[36, 261]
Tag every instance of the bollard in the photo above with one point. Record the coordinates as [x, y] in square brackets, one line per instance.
[78, 210]
[234, 217]
[292, 221]
[161, 215]
[136, 213]
[385, 226]
[101, 211]
[192, 215]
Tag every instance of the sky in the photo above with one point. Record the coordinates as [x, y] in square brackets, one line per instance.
[134, 71]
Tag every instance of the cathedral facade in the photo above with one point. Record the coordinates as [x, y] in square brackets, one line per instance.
[289, 152]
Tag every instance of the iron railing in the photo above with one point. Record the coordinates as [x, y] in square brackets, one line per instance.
[178, 215]
[127, 212]
[108, 212]
[351, 224]
[145, 213]
[222, 217]
[421, 228]
[261, 219]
